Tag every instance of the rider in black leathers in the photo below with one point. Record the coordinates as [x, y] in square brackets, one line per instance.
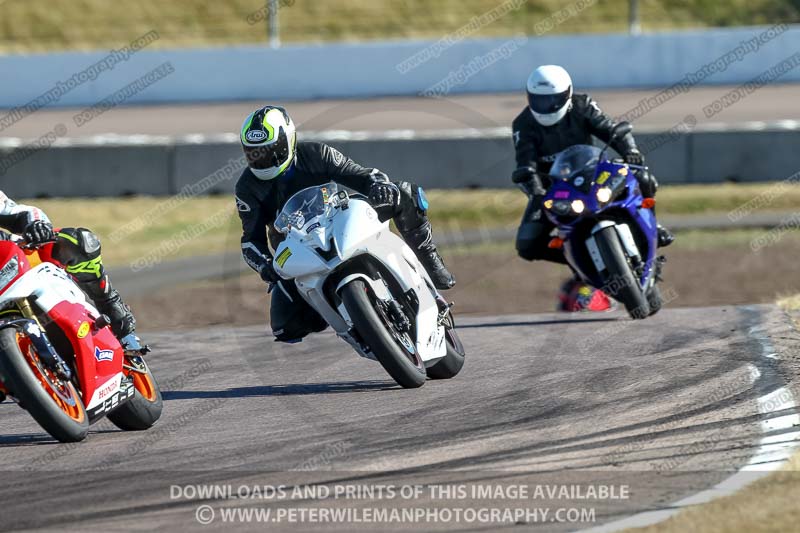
[554, 120]
[278, 168]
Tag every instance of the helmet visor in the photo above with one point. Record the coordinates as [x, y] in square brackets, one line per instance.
[545, 104]
[269, 155]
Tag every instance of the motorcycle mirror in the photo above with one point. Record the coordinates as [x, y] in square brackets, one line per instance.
[620, 130]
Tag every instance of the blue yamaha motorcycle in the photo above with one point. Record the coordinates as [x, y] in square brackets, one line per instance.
[606, 228]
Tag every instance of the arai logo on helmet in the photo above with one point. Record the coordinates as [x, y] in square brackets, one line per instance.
[255, 136]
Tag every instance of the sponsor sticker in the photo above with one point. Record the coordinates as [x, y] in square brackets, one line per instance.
[603, 177]
[562, 194]
[338, 157]
[578, 181]
[103, 355]
[283, 257]
[84, 330]
[242, 206]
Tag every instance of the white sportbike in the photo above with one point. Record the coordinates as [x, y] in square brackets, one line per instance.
[367, 284]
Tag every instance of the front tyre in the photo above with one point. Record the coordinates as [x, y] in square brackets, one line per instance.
[54, 403]
[144, 409]
[620, 282]
[398, 356]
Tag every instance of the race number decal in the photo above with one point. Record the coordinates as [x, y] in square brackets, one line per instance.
[283, 257]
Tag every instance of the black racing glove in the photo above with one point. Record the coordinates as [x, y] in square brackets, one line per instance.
[634, 157]
[529, 181]
[268, 273]
[39, 232]
[383, 194]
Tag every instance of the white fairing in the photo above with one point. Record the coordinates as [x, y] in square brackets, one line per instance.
[354, 231]
[51, 286]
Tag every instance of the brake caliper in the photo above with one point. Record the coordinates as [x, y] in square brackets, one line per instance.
[399, 318]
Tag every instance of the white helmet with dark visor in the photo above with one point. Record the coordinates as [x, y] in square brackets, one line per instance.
[549, 94]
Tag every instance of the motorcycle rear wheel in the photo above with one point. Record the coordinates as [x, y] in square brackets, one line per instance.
[144, 409]
[451, 364]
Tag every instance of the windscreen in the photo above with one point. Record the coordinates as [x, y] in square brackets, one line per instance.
[304, 206]
[580, 159]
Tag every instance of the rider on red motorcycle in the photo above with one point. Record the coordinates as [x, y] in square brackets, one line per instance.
[77, 250]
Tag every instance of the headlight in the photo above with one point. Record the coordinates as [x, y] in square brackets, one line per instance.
[561, 207]
[9, 271]
[578, 206]
[603, 195]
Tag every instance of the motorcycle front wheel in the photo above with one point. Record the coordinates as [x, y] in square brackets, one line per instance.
[393, 349]
[620, 282]
[53, 402]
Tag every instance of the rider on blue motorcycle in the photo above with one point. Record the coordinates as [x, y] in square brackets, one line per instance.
[554, 120]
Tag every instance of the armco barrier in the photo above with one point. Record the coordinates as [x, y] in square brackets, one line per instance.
[211, 166]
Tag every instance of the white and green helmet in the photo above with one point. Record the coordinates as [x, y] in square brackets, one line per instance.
[269, 140]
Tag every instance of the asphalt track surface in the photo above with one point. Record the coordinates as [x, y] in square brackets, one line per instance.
[583, 400]
[770, 104]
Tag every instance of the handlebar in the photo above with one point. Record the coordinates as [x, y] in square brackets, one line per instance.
[34, 246]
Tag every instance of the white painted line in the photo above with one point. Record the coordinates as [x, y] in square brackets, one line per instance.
[503, 132]
[776, 446]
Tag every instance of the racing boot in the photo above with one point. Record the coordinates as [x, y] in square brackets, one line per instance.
[575, 296]
[665, 236]
[421, 241]
[109, 303]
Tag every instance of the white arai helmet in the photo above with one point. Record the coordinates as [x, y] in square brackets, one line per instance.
[549, 94]
[269, 141]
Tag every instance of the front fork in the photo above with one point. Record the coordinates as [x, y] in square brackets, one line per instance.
[34, 330]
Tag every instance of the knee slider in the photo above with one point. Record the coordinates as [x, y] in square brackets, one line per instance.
[78, 249]
[84, 243]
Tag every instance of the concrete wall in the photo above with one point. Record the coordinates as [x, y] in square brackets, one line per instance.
[162, 168]
[371, 69]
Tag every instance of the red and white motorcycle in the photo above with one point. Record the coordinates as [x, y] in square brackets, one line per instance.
[58, 357]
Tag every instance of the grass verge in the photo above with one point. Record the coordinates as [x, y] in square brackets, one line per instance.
[38, 25]
[451, 210]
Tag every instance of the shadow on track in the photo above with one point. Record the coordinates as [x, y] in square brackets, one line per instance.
[40, 439]
[295, 389]
[537, 322]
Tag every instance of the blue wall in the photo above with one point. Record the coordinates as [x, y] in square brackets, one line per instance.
[370, 69]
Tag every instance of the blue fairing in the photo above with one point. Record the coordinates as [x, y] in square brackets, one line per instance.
[625, 207]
